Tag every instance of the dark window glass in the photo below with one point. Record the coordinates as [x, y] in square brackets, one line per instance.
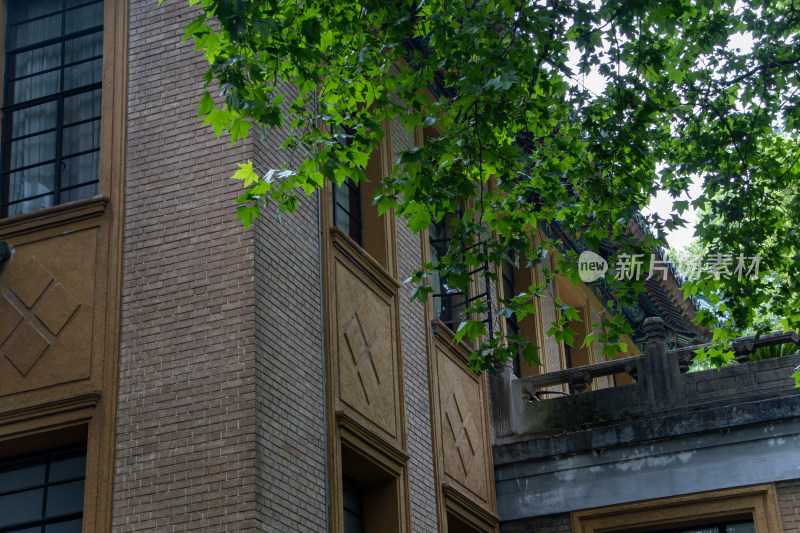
[22, 473]
[71, 526]
[347, 196]
[51, 109]
[512, 325]
[347, 209]
[43, 491]
[353, 494]
[746, 526]
[23, 506]
[508, 292]
[449, 302]
[67, 464]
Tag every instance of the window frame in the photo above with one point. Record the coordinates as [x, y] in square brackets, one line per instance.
[379, 468]
[47, 459]
[758, 502]
[721, 526]
[91, 186]
[352, 213]
[450, 320]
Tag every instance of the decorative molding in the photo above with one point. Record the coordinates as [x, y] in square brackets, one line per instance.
[465, 508]
[51, 408]
[463, 418]
[442, 333]
[52, 302]
[365, 343]
[363, 261]
[361, 438]
[57, 215]
[31, 306]
[758, 501]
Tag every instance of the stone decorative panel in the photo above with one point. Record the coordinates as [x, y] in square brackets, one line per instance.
[739, 381]
[463, 416]
[46, 312]
[367, 352]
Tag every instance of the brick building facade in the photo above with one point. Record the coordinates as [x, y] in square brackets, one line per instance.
[211, 378]
[162, 369]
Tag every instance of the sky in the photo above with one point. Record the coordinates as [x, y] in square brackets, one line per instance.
[662, 203]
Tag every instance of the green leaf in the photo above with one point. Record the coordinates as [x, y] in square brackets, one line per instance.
[472, 329]
[246, 215]
[421, 293]
[246, 174]
[326, 39]
[239, 129]
[531, 354]
[206, 105]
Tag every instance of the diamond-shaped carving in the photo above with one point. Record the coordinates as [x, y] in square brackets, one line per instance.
[462, 427]
[26, 348]
[30, 282]
[9, 318]
[360, 344]
[57, 308]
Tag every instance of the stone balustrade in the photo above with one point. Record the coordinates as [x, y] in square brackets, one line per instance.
[538, 404]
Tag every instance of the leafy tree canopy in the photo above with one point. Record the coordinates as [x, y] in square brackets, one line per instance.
[516, 141]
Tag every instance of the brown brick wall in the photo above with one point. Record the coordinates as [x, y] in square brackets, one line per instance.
[415, 371]
[546, 524]
[788, 493]
[186, 436]
[221, 404]
[290, 374]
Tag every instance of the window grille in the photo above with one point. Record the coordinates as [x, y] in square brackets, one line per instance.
[450, 302]
[347, 197]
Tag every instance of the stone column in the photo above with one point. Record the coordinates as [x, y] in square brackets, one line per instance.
[500, 401]
[661, 372]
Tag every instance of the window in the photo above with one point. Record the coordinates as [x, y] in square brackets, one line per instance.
[43, 493]
[509, 292]
[449, 302]
[728, 527]
[373, 497]
[347, 196]
[347, 210]
[353, 497]
[512, 324]
[457, 524]
[738, 510]
[51, 103]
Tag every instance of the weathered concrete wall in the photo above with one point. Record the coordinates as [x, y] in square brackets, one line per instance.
[668, 434]
[727, 457]
[660, 390]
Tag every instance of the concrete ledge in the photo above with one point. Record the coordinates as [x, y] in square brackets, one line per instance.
[745, 455]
